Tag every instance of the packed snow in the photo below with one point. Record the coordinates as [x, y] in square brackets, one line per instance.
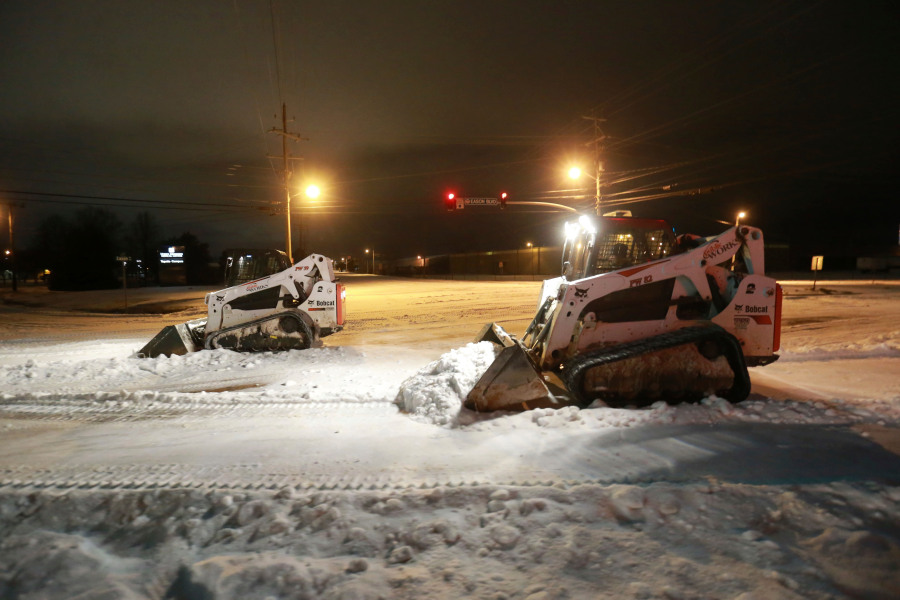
[353, 471]
[435, 394]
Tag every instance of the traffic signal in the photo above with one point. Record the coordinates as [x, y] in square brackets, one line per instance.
[503, 196]
[450, 201]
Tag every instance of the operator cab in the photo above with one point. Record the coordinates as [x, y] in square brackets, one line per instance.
[248, 264]
[609, 243]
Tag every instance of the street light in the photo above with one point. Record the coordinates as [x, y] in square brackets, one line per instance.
[373, 259]
[9, 253]
[576, 173]
[740, 216]
[312, 192]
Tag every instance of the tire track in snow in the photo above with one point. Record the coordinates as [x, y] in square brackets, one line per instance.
[94, 409]
[241, 477]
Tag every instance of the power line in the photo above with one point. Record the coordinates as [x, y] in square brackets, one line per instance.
[125, 202]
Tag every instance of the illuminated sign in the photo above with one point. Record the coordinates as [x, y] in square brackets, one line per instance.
[173, 255]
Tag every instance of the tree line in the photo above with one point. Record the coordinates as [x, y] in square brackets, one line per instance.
[80, 251]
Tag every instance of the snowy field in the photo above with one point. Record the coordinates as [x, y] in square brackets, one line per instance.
[350, 471]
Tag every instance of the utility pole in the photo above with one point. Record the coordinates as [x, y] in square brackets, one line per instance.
[285, 134]
[598, 149]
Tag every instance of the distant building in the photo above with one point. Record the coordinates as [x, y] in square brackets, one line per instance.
[172, 269]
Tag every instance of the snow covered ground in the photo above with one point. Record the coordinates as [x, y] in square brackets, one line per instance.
[350, 471]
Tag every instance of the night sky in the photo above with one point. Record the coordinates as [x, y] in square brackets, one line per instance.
[785, 109]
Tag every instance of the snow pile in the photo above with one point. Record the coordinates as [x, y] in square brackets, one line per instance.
[76, 375]
[435, 394]
[701, 540]
[73, 367]
[710, 411]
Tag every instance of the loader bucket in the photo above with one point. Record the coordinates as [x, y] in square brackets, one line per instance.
[173, 339]
[511, 382]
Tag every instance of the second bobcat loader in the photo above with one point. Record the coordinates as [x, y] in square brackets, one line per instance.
[292, 309]
[639, 316]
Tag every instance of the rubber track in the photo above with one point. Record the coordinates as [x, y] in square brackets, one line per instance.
[574, 371]
[308, 339]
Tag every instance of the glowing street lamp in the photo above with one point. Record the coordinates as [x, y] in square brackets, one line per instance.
[740, 216]
[9, 252]
[576, 173]
[312, 192]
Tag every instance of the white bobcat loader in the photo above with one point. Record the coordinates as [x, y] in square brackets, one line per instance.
[292, 309]
[637, 317]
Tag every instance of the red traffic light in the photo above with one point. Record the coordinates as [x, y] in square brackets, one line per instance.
[503, 196]
[450, 201]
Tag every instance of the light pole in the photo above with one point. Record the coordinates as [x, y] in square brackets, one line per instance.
[10, 254]
[287, 212]
[737, 223]
[531, 246]
[373, 259]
